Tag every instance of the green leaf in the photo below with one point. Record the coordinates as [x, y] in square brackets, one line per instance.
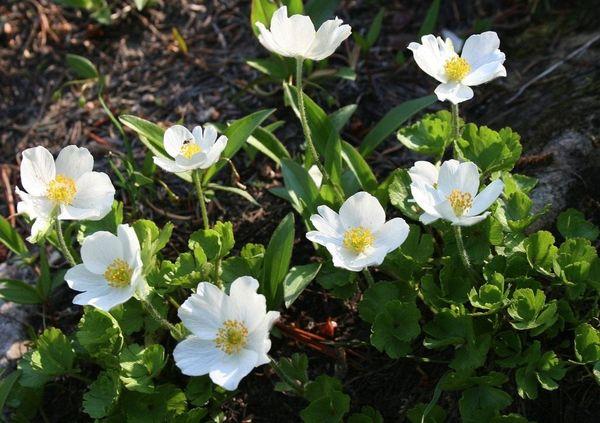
[449, 328]
[529, 310]
[293, 372]
[472, 355]
[100, 336]
[102, 395]
[261, 11]
[359, 167]
[225, 231]
[327, 401]
[233, 190]
[367, 415]
[401, 196]
[199, 390]
[163, 405]
[82, 67]
[517, 183]
[297, 280]
[300, 187]
[490, 150]
[436, 415]
[268, 144]
[19, 292]
[587, 343]
[541, 251]
[482, 403]
[277, 261]
[392, 121]
[11, 238]
[377, 296]
[572, 224]
[237, 133]
[53, 356]
[395, 327]
[140, 365]
[430, 21]
[320, 10]
[340, 282]
[430, 135]
[6, 385]
[341, 116]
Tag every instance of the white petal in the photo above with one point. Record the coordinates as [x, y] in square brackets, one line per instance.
[349, 260]
[393, 233]
[425, 196]
[93, 199]
[112, 298]
[204, 312]
[468, 178]
[432, 55]
[485, 198]
[99, 250]
[251, 306]
[73, 162]
[174, 138]
[425, 172]
[483, 48]
[80, 278]
[267, 40]
[34, 207]
[453, 92]
[205, 138]
[470, 220]
[197, 357]
[446, 211]
[316, 175]
[427, 218]
[448, 176]
[485, 73]
[39, 228]
[168, 165]
[37, 170]
[294, 34]
[258, 339]
[130, 243]
[195, 162]
[456, 41]
[328, 38]
[362, 209]
[233, 368]
[328, 222]
[323, 238]
[214, 154]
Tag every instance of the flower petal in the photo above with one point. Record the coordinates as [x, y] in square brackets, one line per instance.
[214, 154]
[467, 178]
[328, 222]
[34, 207]
[470, 220]
[205, 138]
[454, 92]
[294, 34]
[485, 73]
[174, 138]
[251, 307]
[446, 211]
[197, 357]
[37, 170]
[427, 218]
[93, 199]
[168, 165]
[99, 250]
[110, 299]
[362, 209]
[80, 278]
[233, 368]
[204, 312]
[73, 162]
[485, 198]
[268, 41]
[328, 38]
[425, 172]
[130, 243]
[425, 196]
[393, 233]
[432, 55]
[480, 49]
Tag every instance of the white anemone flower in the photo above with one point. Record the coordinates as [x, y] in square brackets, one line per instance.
[230, 333]
[359, 236]
[452, 194]
[199, 149]
[111, 272]
[480, 61]
[66, 189]
[295, 36]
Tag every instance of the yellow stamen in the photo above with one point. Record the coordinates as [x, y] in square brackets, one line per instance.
[460, 201]
[358, 239]
[232, 337]
[118, 274]
[457, 68]
[189, 149]
[62, 189]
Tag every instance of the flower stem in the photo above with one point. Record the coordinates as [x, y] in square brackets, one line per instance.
[197, 177]
[163, 322]
[307, 134]
[368, 276]
[455, 123]
[464, 257]
[63, 245]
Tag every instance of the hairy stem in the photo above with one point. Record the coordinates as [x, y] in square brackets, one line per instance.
[307, 134]
[197, 177]
[63, 245]
[462, 252]
[368, 276]
[455, 123]
[161, 320]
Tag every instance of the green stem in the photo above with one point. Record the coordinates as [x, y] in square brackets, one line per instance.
[368, 276]
[455, 123]
[163, 322]
[63, 245]
[197, 177]
[307, 134]
[462, 252]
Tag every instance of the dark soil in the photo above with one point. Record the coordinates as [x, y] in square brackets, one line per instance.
[149, 77]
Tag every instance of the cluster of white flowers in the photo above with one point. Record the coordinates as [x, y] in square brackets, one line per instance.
[230, 333]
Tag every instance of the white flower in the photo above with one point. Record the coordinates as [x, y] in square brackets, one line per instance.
[452, 194]
[358, 236]
[111, 272]
[230, 333]
[66, 189]
[480, 61]
[296, 36]
[191, 150]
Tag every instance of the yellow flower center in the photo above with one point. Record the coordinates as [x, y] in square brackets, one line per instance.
[118, 274]
[232, 337]
[189, 149]
[460, 201]
[62, 189]
[457, 68]
[358, 239]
